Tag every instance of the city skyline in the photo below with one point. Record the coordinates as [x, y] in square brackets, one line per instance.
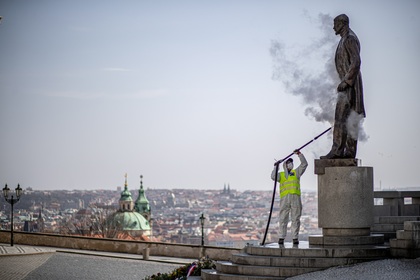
[230, 214]
[191, 94]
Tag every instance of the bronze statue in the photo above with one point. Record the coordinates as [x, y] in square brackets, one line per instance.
[350, 90]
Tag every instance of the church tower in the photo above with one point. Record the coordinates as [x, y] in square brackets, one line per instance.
[40, 221]
[127, 219]
[142, 204]
[126, 202]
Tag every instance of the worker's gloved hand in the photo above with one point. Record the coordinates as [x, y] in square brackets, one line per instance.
[296, 151]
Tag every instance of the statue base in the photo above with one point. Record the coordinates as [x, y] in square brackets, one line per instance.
[321, 164]
[345, 203]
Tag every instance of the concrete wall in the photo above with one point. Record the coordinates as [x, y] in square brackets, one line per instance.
[393, 203]
[390, 217]
[120, 246]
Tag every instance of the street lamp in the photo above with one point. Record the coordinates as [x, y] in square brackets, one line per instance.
[12, 201]
[202, 228]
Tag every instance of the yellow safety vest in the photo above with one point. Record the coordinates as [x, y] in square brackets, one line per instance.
[291, 185]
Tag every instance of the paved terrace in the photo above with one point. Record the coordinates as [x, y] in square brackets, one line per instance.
[37, 262]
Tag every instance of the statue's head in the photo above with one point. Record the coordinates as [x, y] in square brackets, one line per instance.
[341, 22]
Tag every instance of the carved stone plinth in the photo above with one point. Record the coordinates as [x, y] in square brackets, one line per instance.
[321, 164]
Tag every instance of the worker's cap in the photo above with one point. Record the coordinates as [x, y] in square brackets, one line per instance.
[289, 160]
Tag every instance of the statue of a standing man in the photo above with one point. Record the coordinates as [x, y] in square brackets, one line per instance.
[350, 90]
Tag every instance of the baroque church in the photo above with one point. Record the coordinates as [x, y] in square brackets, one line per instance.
[133, 217]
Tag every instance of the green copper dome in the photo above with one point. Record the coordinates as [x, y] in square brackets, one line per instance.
[125, 194]
[126, 218]
[130, 221]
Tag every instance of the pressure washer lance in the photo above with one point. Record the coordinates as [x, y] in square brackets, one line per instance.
[276, 164]
[280, 161]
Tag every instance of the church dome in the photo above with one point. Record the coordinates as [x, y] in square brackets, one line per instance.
[128, 221]
[126, 195]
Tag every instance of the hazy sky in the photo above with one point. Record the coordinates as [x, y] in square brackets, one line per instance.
[196, 94]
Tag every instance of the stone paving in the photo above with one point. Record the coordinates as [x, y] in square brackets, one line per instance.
[17, 261]
[6, 249]
[23, 262]
[16, 267]
[65, 266]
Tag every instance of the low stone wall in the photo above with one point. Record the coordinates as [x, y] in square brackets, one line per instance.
[120, 246]
[390, 216]
[393, 203]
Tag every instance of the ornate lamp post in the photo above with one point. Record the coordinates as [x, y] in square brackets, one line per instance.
[12, 201]
[202, 218]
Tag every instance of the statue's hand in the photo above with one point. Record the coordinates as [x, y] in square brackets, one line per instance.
[342, 86]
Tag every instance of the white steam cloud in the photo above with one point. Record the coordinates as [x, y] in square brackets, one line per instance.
[317, 87]
[355, 128]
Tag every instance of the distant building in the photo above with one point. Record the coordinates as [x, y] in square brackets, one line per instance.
[171, 200]
[142, 204]
[35, 225]
[226, 191]
[127, 219]
[40, 222]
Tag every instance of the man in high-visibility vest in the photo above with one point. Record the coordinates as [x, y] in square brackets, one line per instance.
[290, 202]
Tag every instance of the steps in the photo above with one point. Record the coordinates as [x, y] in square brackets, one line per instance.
[407, 243]
[324, 240]
[259, 270]
[271, 262]
[389, 225]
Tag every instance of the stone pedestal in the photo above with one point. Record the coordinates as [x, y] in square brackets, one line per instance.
[345, 203]
[345, 200]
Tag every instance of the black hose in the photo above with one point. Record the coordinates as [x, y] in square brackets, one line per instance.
[272, 203]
